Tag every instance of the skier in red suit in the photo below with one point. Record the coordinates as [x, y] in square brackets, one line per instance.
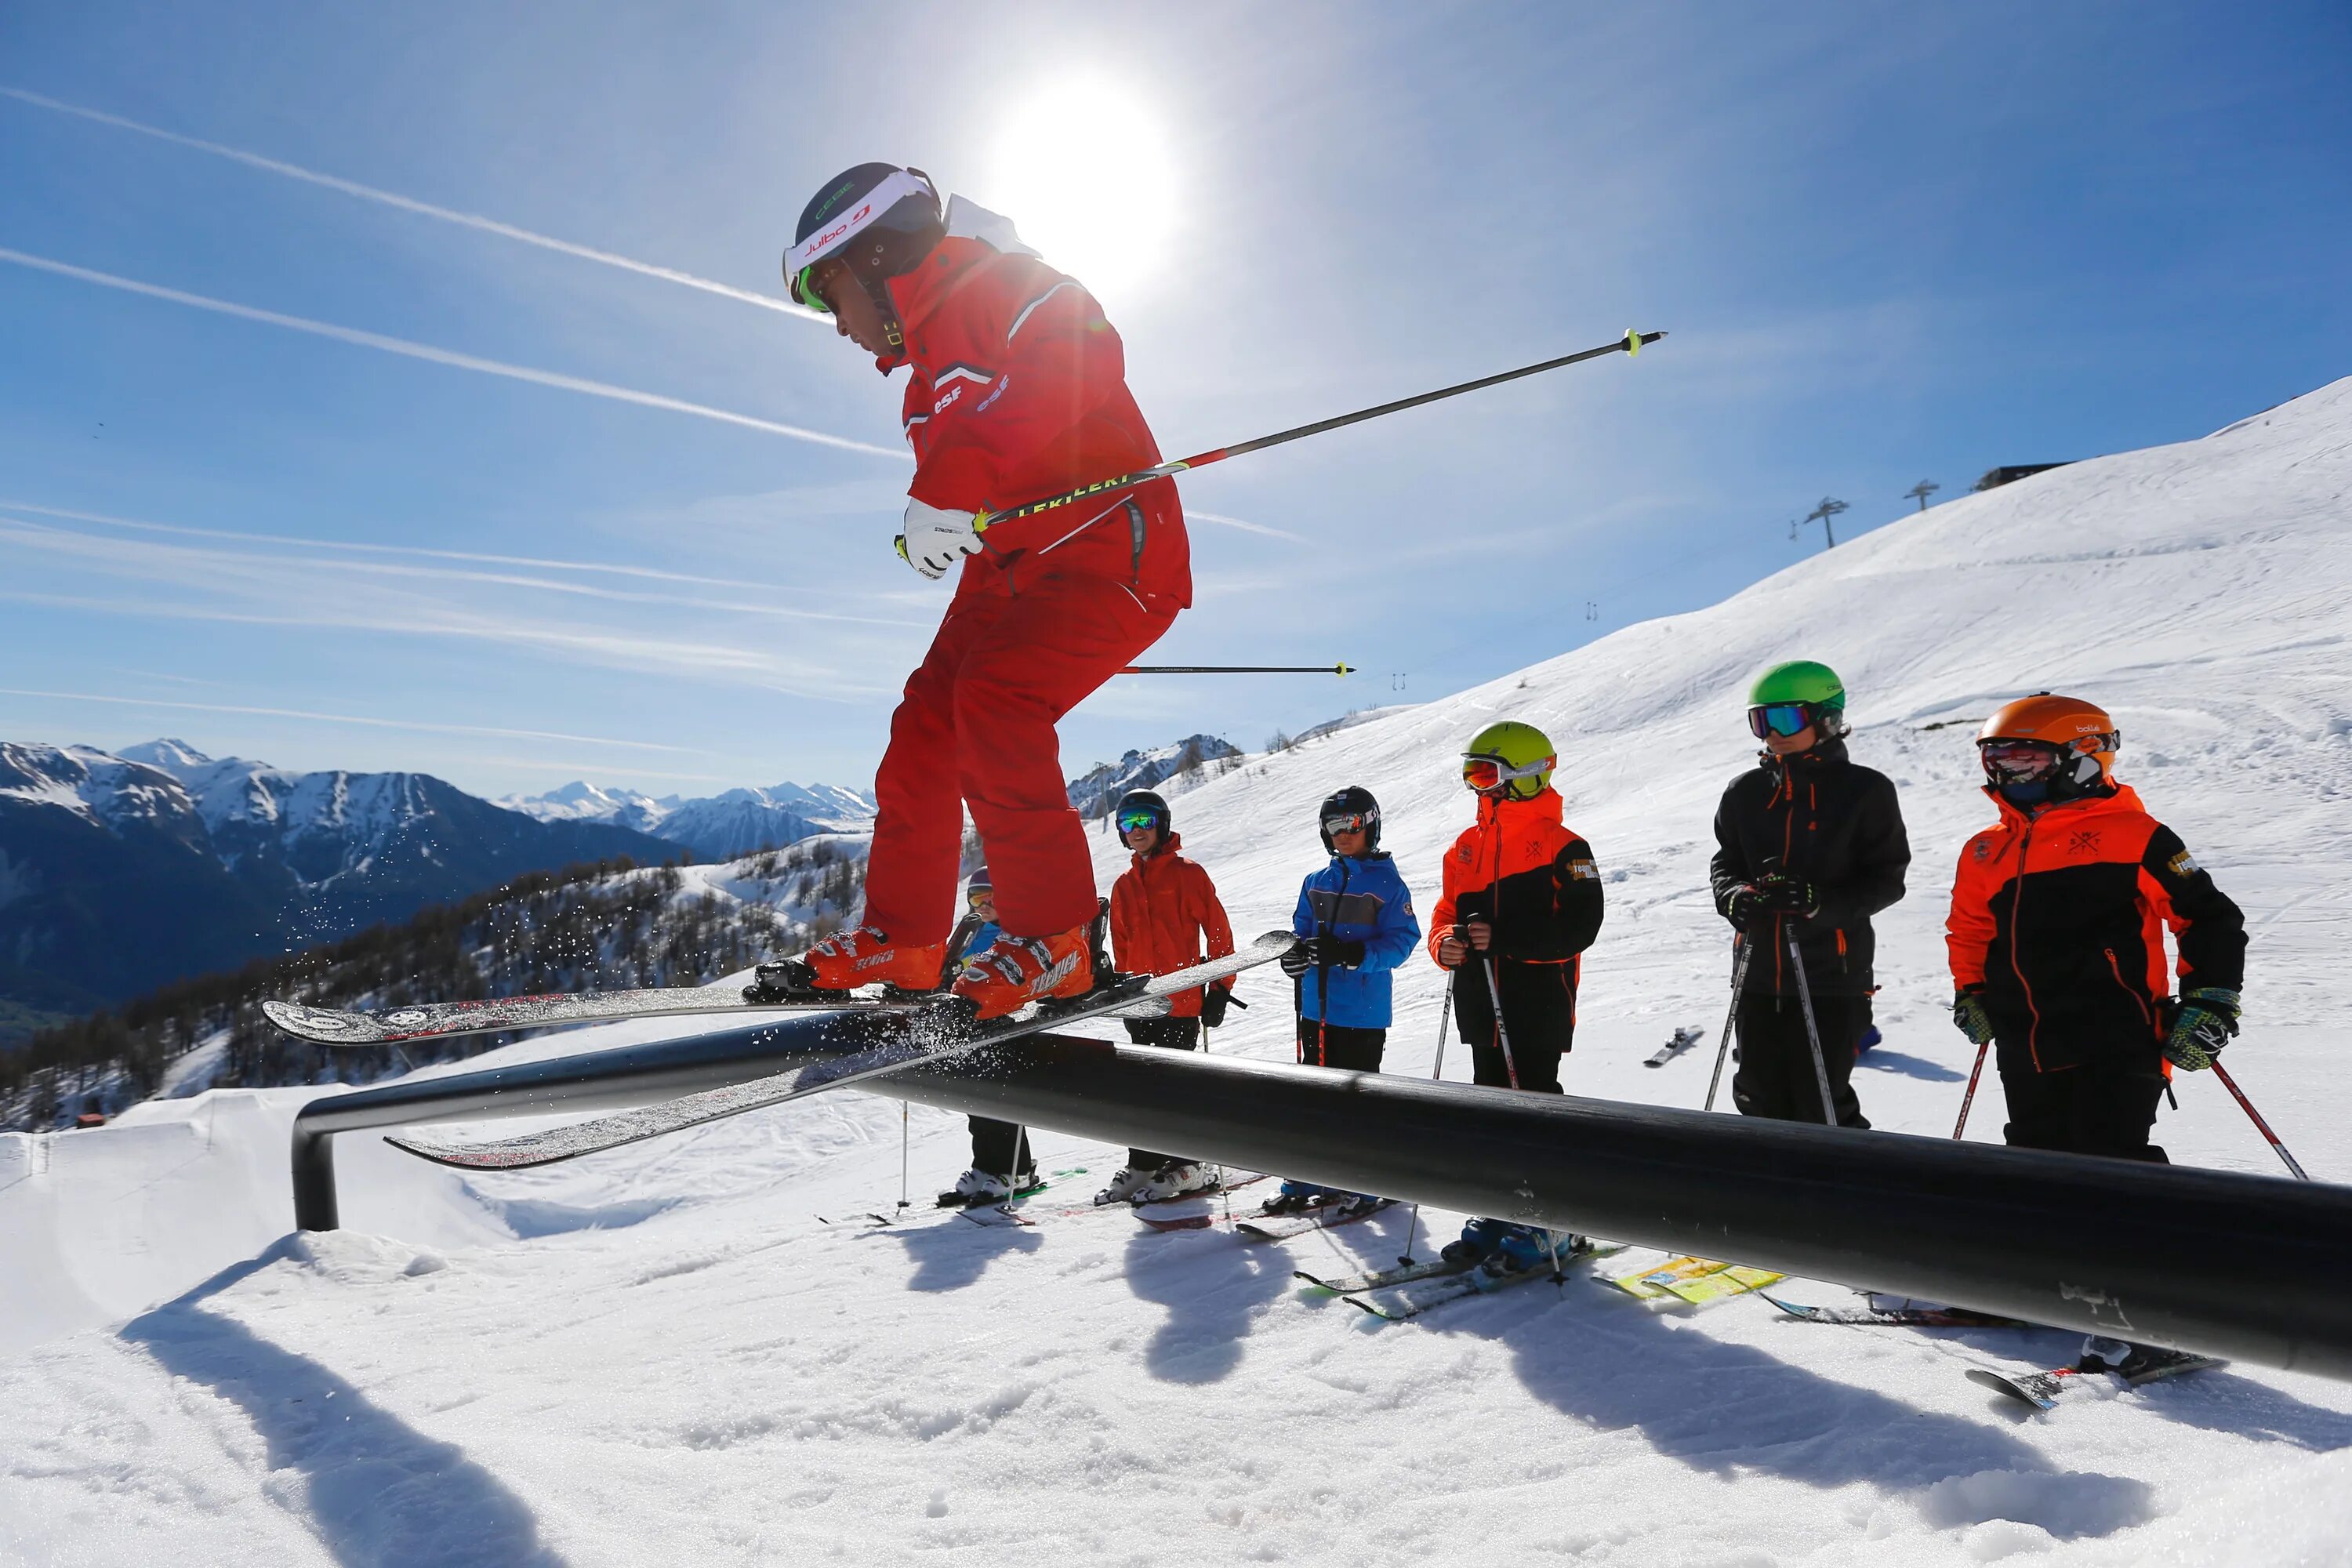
[1018, 392]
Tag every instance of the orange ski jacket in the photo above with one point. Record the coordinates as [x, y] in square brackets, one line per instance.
[1019, 393]
[1165, 915]
[1533, 879]
[2059, 919]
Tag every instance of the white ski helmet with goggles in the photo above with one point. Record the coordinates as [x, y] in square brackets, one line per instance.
[877, 220]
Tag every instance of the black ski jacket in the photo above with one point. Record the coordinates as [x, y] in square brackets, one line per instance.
[1834, 823]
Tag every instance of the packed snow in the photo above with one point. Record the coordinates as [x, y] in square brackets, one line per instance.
[664, 1354]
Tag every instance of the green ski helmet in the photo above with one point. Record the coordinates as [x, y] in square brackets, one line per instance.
[1509, 758]
[1788, 697]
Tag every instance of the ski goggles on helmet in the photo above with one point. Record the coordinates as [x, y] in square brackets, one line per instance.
[804, 290]
[976, 897]
[1129, 821]
[1484, 774]
[1782, 718]
[2018, 762]
[1351, 822]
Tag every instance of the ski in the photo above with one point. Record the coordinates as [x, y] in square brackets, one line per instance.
[1694, 1281]
[1283, 1226]
[445, 1020]
[1684, 1040]
[1382, 1278]
[2042, 1390]
[938, 1033]
[1398, 1301]
[1896, 1317]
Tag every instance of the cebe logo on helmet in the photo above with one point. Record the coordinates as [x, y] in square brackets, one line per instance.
[900, 208]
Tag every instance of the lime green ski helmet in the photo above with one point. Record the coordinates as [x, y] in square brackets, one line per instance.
[1510, 758]
[1802, 683]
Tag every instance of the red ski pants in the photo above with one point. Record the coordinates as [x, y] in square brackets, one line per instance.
[976, 728]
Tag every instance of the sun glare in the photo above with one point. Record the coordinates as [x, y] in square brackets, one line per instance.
[1084, 172]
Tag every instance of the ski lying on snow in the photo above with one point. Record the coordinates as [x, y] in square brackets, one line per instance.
[1382, 1278]
[1897, 1317]
[1683, 1040]
[441, 1020]
[938, 1031]
[2042, 1390]
[1693, 1280]
[1283, 1226]
[1399, 1301]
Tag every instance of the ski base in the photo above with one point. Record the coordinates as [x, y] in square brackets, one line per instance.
[1684, 1038]
[2044, 1390]
[1694, 1281]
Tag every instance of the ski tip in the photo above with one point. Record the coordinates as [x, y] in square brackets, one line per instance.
[320, 1025]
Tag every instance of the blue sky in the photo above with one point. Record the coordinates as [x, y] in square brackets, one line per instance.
[1891, 243]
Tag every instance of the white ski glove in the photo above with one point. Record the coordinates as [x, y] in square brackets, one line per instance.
[935, 539]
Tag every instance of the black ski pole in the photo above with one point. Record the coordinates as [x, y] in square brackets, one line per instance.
[1812, 1032]
[1631, 343]
[1239, 669]
[1444, 1016]
[1511, 1070]
[1745, 948]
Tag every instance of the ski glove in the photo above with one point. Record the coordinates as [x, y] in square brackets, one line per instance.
[1213, 1003]
[1968, 1015]
[1786, 895]
[1747, 910]
[2202, 1025]
[1310, 953]
[936, 539]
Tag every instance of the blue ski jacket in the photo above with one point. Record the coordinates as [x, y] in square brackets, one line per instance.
[1355, 901]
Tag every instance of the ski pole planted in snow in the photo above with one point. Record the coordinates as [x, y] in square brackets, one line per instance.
[1444, 1016]
[1631, 343]
[1744, 947]
[1969, 1098]
[1812, 1032]
[2260, 1126]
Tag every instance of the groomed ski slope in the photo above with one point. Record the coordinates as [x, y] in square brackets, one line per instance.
[662, 1355]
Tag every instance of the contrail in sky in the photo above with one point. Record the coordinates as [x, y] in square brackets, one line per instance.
[444, 356]
[426, 209]
[349, 719]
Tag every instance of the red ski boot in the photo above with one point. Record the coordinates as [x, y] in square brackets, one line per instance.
[862, 955]
[1018, 970]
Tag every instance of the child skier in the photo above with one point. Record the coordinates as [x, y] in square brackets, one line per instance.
[1018, 392]
[2057, 948]
[1001, 1163]
[1810, 844]
[1354, 924]
[1164, 916]
[1521, 903]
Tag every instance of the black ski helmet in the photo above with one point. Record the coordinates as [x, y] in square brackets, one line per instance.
[878, 218]
[1353, 801]
[1145, 800]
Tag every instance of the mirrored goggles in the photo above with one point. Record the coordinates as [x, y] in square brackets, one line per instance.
[1353, 822]
[1483, 773]
[2018, 762]
[1782, 719]
[804, 290]
[1129, 821]
[978, 896]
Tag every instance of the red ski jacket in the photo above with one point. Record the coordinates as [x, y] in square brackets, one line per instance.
[2059, 919]
[1019, 393]
[1161, 909]
[1533, 879]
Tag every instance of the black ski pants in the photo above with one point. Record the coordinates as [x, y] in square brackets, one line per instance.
[1322, 1045]
[1776, 1076]
[2099, 1108]
[1534, 1052]
[1000, 1148]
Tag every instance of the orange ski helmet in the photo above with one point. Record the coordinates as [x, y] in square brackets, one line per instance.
[2065, 741]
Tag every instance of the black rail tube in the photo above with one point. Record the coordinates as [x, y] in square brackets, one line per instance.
[599, 1080]
[2143, 1252]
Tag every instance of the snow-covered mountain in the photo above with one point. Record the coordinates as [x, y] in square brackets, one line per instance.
[1094, 792]
[716, 828]
[119, 872]
[690, 1330]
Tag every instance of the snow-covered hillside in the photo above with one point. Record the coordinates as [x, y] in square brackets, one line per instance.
[734, 822]
[663, 1354]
